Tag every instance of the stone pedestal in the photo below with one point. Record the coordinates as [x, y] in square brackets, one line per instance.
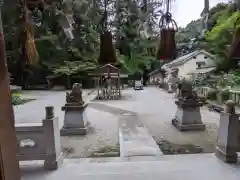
[188, 116]
[75, 120]
[228, 134]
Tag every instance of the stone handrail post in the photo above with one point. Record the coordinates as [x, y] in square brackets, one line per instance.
[52, 140]
[228, 134]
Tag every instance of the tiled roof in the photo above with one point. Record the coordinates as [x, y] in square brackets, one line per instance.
[187, 57]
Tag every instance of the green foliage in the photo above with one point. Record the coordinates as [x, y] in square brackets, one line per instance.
[56, 52]
[70, 68]
[212, 94]
[222, 23]
[224, 95]
[225, 26]
[18, 100]
[61, 56]
[220, 37]
[230, 79]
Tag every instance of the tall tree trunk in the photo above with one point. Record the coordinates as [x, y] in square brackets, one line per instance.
[118, 23]
[9, 167]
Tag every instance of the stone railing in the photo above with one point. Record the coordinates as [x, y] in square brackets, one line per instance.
[203, 91]
[235, 96]
[41, 141]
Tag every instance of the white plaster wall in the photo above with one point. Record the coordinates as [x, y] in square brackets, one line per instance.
[191, 65]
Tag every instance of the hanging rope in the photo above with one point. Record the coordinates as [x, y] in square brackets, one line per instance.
[166, 49]
[107, 51]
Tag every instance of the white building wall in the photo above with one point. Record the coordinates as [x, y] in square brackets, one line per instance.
[191, 65]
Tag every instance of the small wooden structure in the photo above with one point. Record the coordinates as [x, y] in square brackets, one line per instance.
[108, 82]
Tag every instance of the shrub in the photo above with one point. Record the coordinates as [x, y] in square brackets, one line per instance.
[202, 99]
[17, 99]
[224, 95]
[212, 94]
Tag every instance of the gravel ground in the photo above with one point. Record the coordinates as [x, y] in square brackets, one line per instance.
[103, 133]
[156, 108]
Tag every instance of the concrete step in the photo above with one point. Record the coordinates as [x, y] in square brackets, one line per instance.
[134, 138]
[183, 167]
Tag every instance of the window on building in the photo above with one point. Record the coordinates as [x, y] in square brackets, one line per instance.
[200, 64]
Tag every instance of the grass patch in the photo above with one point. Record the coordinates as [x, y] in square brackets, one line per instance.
[18, 100]
[169, 148]
[106, 152]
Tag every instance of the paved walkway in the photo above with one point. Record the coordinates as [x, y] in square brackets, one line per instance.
[103, 132]
[184, 167]
[156, 108]
[34, 111]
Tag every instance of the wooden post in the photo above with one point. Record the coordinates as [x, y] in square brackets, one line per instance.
[9, 166]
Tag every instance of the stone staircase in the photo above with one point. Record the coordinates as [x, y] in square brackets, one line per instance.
[174, 167]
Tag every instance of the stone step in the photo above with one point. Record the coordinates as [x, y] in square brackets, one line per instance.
[176, 167]
[134, 138]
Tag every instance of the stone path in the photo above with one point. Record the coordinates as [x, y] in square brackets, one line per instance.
[103, 132]
[156, 108]
[134, 138]
[184, 167]
[34, 111]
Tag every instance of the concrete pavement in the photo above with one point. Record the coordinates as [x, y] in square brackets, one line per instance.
[34, 111]
[204, 167]
[156, 108]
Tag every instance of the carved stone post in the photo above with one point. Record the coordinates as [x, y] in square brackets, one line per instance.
[54, 155]
[228, 134]
[75, 119]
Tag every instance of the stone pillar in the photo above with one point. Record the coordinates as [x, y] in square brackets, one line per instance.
[170, 90]
[54, 155]
[188, 116]
[75, 120]
[228, 134]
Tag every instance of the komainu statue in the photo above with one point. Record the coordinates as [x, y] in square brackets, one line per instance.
[186, 91]
[75, 96]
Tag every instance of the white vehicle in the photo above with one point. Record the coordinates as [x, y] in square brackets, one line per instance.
[138, 85]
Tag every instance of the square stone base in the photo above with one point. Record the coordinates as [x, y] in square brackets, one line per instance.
[73, 131]
[188, 127]
[233, 158]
